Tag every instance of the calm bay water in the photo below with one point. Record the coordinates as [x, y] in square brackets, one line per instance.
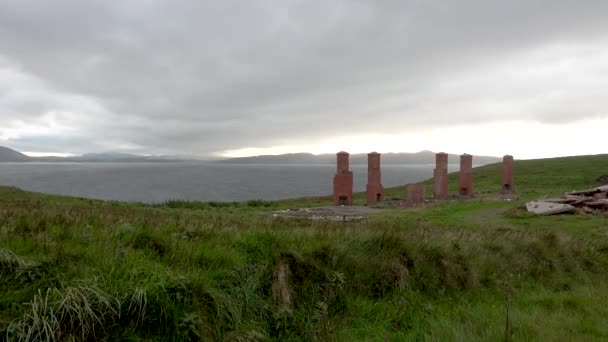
[158, 182]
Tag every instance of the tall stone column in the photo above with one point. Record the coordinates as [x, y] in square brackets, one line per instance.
[466, 175]
[343, 181]
[375, 191]
[440, 185]
[508, 185]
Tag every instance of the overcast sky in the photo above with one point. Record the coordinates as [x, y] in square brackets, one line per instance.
[235, 78]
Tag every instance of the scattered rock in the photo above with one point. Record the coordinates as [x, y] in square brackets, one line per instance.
[337, 213]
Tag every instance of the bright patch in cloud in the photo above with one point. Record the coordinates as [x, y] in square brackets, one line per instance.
[47, 154]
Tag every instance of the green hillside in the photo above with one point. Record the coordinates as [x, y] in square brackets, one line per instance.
[480, 269]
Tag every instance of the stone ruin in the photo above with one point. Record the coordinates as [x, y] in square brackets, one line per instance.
[415, 193]
[465, 187]
[507, 175]
[440, 176]
[374, 189]
[343, 181]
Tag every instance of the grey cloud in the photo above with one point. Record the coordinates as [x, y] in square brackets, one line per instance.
[205, 76]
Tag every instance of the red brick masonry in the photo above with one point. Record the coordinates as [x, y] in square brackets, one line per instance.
[343, 181]
[440, 184]
[415, 194]
[466, 175]
[375, 191]
[507, 175]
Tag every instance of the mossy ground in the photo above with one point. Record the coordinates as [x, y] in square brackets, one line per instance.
[77, 269]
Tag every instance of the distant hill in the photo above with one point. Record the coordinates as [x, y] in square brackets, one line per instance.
[422, 157]
[121, 157]
[111, 157]
[8, 155]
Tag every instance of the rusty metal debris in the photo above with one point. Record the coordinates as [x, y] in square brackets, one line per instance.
[588, 201]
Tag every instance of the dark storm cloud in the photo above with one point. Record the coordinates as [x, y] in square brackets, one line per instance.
[206, 76]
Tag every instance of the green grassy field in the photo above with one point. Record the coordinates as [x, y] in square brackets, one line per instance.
[481, 269]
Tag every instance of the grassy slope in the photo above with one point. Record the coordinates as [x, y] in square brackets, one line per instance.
[80, 269]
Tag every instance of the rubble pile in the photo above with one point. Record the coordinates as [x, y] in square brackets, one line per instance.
[589, 201]
[341, 213]
[315, 214]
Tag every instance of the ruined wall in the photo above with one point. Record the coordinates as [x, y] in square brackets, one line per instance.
[415, 195]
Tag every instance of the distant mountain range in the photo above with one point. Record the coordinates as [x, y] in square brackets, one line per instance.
[423, 157]
[8, 155]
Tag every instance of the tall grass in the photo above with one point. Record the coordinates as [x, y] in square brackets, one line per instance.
[275, 279]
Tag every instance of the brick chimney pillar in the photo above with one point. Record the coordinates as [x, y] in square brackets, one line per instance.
[440, 185]
[343, 181]
[375, 191]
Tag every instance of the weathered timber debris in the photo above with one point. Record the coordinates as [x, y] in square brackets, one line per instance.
[589, 201]
[548, 208]
[589, 192]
